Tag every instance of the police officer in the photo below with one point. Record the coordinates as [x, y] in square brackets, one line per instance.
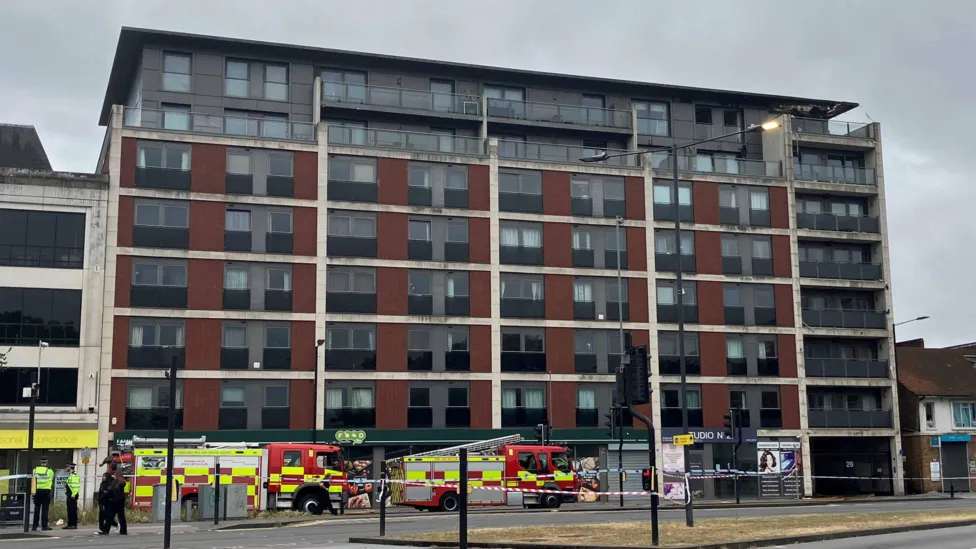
[72, 488]
[44, 483]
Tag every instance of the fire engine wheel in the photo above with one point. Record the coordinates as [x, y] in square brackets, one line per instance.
[449, 502]
[551, 501]
[310, 504]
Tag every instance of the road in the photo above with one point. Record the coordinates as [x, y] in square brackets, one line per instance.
[334, 533]
[947, 538]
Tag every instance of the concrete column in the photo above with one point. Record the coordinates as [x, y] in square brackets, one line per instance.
[653, 365]
[321, 270]
[496, 283]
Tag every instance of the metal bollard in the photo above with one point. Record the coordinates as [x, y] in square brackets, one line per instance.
[952, 490]
[383, 488]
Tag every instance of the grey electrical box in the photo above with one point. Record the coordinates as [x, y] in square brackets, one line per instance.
[159, 504]
[233, 501]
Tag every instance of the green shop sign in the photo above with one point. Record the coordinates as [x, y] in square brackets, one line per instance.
[354, 437]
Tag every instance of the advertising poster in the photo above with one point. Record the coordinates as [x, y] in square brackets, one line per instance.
[789, 455]
[769, 464]
[359, 471]
[673, 462]
[588, 468]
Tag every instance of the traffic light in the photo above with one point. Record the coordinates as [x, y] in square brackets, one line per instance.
[540, 433]
[611, 423]
[636, 373]
[548, 432]
[730, 421]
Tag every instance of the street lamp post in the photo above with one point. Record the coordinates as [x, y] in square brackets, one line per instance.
[34, 389]
[315, 395]
[679, 290]
[170, 450]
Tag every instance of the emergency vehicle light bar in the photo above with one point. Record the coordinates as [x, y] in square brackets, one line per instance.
[473, 447]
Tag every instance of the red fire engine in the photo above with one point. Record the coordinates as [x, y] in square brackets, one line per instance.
[497, 469]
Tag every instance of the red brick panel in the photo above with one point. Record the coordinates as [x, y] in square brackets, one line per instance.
[637, 298]
[123, 280]
[480, 402]
[779, 208]
[479, 192]
[563, 399]
[120, 343]
[557, 244]
[127, 215]
[303, 287]
[391, 180]
[789, 398]
[303, 346]
[127, 176]
[555, 193]
[710, 306]
[306, 178]
[391, 234]
[559, 351]
[783, 295]
[479, 347]
[305, 231]
[636, 249]
[207, 226]
[203, 337]
[391, 404]
[480, 290]
[715, 403]
[205, 284]
[781, 256]
[118, 401]
[559, 297]
[391, 291]
[708, 252]
[391, 348]
[704, 199]
[479, 240]
[208, 168]
[786, 351]
[634, 193]
[711, 348]
[302, 403]
[201, 404]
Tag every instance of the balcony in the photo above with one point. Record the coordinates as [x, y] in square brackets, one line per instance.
[350, 246]
[355, 96]
[237, 183]
[456, 251]
[583, 258]
[234, 358]
[841, 367]
[162, 178]
[833, 174]
[275, 418]
[520, 255]
[731, 265]
[421, 196]
[844, 318]
[764, 316]
[580, 207]
[345, 418]
[585, 363]
[165, 297]
[232, 418]
[770, 419]
[520, 202]
[277, 300]
[457, 306]
[281, 186]
[587, 417]
[457, 416]
[350, 360]
[762, 266]
[669, 313]
[420, 417]
[736, 366]
[671, 365]
[840, 271]
[174, 238]
[710, 131]
[236, 300]
[615, 309]
[347, 302]
[151, 419]
[846, 419]
[560, 154]
[276, 358]
[831, 222]
[610, 259]
[422, 250]
[523, 362]
[420, 361]
[572, 115]
[671, 417]
[237, 241]
[420, 304]
[279, 243]
[457, 361]
[719, 165]
[768, 367]
[352, 191]
[155, 356]
[523, 417]
[669, 263]
[217, 124]
[409, 141]
[523, 308]
[833, 128]
[584, 310]
[665, 212]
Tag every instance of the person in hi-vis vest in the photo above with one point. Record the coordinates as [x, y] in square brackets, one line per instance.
[72, 488]
[43, 485]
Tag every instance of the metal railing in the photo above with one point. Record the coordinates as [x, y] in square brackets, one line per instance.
[844, 318]
[396, 139]
[845, 367]
[849, 419]
[661, 160]
[219, 124]
[709, 131]
[551, 152]
[836, 128]
[833, 174]
[403, 98]
[559, 114]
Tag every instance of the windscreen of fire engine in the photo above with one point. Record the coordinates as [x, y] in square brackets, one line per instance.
[561, 462]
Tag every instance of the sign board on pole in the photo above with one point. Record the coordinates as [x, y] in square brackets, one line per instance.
[683, 440]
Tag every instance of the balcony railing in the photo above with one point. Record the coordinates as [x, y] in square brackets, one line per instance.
[457, 416]
[708, 131]
[420, 417]
[576, 115]
[718, 164]
[842, 367]
[411, 141]
[151, 418]
[844, 318]
[401, 98]
[587, 417]
[350, 417]
[833, 174]
[847, 419]
[219, 124]
[841, 271]
[567, 154]
[835, 128]
[522, 417]
[833, 222]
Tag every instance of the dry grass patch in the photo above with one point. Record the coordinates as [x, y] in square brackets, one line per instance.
[675, 534]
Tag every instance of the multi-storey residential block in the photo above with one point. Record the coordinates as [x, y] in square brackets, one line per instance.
[432, 225]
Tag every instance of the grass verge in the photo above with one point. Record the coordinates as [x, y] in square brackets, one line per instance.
[676, 534]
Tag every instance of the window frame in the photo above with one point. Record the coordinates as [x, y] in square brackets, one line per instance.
[164, 72]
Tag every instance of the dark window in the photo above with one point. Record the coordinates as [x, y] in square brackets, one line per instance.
[31, 315]
[420, 397]
[57, 387]
[457, 397]
[770, 400]
[703, 115]
[352, 226]
[418, 340]
[457, 230]
[31, 238]
[360, 339]
[349, 281]
[277, 337]
[457, 339]
[652, 118]
[281, 165]
[515, 342]
[418, 230]
[173, 215]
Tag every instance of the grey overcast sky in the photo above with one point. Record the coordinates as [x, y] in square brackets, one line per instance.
[907, 63]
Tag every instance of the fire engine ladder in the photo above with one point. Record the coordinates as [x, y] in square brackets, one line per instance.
[138, 441]
[473, 447]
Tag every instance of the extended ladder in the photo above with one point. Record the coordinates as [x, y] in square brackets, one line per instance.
[473, 447]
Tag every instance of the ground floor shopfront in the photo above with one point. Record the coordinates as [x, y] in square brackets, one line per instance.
[847, 466]
[940, 462]
[60, 446]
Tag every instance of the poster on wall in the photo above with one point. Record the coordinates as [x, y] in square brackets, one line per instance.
[769, 468]
[789, 453]
[588, 470]
[673, 462]
[935, 471]
[359, 472]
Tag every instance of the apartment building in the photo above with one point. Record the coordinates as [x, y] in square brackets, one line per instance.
[413, 249]
[52, 253]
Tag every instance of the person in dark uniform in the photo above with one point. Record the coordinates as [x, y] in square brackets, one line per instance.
[325, 483]
[105, 494]
[44, 484]
[118, 502]
[72, 489]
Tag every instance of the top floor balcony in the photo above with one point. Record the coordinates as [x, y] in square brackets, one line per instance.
[408, 141]
[833, 128]
[435, 103]
[554, 113]
[175, 119]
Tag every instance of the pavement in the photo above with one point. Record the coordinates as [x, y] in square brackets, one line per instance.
[945, 538]
[334, 533]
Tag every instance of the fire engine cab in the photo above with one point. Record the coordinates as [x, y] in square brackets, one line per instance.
[429, 480]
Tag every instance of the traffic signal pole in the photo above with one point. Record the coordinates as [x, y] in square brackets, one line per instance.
[632, 382]
[618, 418]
